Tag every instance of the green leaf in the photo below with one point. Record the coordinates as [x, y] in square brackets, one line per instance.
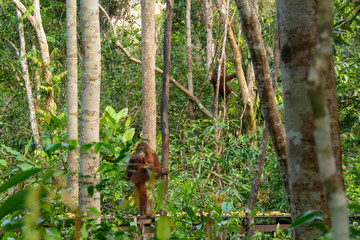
[122, 114]
[112, 120]
[72, 144]
[87, 146]
[20, 177]
[3, 163]
[25, 166]
[52, 148]
[94, 211]
[160, 194]
[106, 146]
[254, 212]
[129, 134]
[84, 232]
[53, 233]
[163, 228]
[14, 203]
[304, 218]
[91, 190]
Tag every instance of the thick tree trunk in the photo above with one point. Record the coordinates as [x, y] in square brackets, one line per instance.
[90, 104]
[298, 38]
[25, 73]
[36, 23]
[165, 94]
[72, 99]
[318, 78]
[189, 57]
[250, 25]
[209, 36]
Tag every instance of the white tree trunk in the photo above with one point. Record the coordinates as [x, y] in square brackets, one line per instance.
[318, 74]
[90, 103]
[36, 23]
[30, 99]
[72, 99]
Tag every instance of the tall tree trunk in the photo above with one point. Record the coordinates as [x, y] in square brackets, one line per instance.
[36, 23]
[148, 50]
[189, 57]
[318, 78]
[298, 38]
[264, 140]
[250, 25]
[209, 36]
[72, 99]
[330, 88]
[90, 104]
[165, 94]
[25, 71]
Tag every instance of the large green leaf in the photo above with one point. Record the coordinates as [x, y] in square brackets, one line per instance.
[14, 203]
[22, 176]
[163, 228]
[305, 218]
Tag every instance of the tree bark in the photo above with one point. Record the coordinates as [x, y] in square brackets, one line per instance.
[318, 78]
[298, 38]
[90, 104]
[189, 57]
[25, 73]
[165, 95]
[72, 99]
[36, 23]
[148, 50]
[250, 25]
[209, 36]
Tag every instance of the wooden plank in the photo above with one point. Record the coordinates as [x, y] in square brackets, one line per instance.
[270, 228]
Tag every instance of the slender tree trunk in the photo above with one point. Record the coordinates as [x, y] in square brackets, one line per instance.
[297, 44]
[209, 36]
[330, 88]
[72, 99]
[264, 141]
[36, 23]
[318, 77]
[148, 50]
[25, 71]
[165, 94]
[90, 104]
[250, 25]
[189, 57]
